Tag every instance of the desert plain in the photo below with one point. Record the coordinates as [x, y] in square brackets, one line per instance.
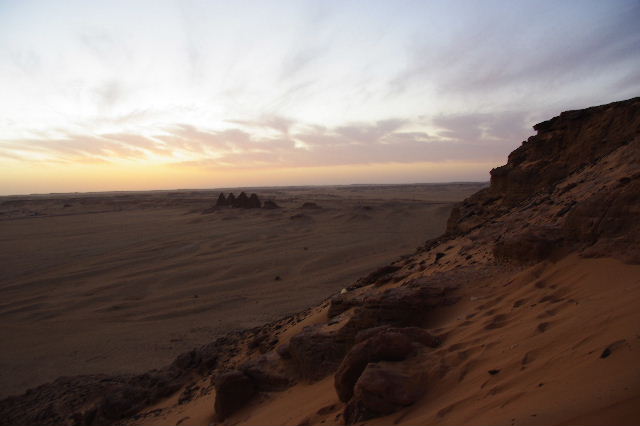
[123, 282]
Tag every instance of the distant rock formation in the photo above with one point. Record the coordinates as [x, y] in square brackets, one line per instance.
[241, 202]
[222, 201]
[254, 202]
[246, 202]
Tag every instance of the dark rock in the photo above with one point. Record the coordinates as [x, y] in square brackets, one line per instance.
[241, 201]
[533, 245]
[268, 373]
[317, 353]
[233, 390]
[384, 388]
[383, 346]
[380, 276]
[222, 201]
[283, 351]
[400, 307]
[416, 334]
[253, 202]
[609, 221]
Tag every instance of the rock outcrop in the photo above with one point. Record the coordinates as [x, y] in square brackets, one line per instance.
[384, 388]
[233, 390]
[575, 185]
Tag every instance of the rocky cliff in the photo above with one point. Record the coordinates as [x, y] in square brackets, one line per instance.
[574, 185]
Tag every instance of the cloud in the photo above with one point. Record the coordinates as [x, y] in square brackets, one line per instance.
[504, 54]
[288, 143]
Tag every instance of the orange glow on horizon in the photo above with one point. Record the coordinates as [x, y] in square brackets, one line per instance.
[47, 178]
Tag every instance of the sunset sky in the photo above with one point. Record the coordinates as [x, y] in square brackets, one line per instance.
[133, 95]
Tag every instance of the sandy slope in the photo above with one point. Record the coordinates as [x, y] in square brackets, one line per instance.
[124, 282]
[544, 328]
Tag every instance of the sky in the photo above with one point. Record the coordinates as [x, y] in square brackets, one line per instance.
[137, 95]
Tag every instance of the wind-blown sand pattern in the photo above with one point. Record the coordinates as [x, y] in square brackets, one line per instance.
[524, 312]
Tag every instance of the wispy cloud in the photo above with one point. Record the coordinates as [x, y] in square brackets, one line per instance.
[289, 144]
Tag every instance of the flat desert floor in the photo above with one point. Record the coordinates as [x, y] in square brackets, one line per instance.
[124, 282]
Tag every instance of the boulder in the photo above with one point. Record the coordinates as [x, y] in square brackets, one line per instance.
[233, 390]
[316, 353]
[400, 307]
[268, 373]
[384, 388]
[383, 346]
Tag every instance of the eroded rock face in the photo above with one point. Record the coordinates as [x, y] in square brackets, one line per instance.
[233, 390]
[531, 246]
[572, 187]
[384, 388]
[267, 373]
[385, 346]
[317, 353]
[379, 344]
[401, 307]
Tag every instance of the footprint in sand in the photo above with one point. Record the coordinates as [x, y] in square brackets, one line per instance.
[497, 321]
[543, 326]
